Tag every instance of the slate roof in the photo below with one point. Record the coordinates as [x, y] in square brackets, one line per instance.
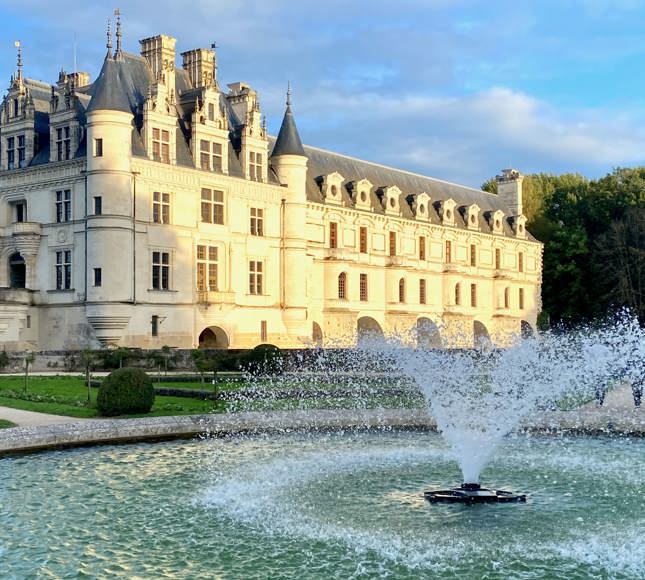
[288, 141]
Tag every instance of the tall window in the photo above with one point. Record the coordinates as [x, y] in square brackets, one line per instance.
[207, 263]
[210, 155]
[392, 243]
[98, 276]
[498, 259]
[212, 206]
[211, 111]
[473, 295]
[63, 144]
[264, 335]
[333, 235]
[21, 211]
[161, 207]
[507, 298]
[473, 255]
[458, 294]
[154, 325]
[362, 234]
[98, 205]
[161, 145]
[255, 277]
[422, 248]
[64, 270]
[11, 153]
[448, 251]
[342, 286]
[521, 298]
[22, 161]
[257, 221]
[363, 287]
[422, 291]
[161, 270]
[63, 206]
[255, 166]
[98, 147]
[402, 290]
[520, 261]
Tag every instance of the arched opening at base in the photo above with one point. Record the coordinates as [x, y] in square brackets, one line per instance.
[213, 337]
[480, 335]
[368, 329]
[17, 271]
[428, 335]
[316, 334]
[526, 329]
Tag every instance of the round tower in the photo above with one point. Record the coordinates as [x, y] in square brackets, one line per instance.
[289, 161]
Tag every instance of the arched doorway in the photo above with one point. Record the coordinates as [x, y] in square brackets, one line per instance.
[368, 329]
[316, 334]
[480, 335]
[213, 337]
[17, 271]
[428, 335]
[526, 329]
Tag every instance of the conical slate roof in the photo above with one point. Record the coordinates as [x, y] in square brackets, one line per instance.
[288, 141]
[113, 89]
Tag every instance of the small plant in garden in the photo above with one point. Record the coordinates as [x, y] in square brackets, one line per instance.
[88, 360]
[125, 391]
[29, 359]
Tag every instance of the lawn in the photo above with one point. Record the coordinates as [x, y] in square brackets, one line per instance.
[4, 424]
[67, 395]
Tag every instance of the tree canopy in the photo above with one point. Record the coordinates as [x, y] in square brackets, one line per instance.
[594, 241]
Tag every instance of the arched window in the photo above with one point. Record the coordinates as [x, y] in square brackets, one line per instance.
[402, 290]
[17, 271]
[507, 297]
[342, 286]
[458, 294]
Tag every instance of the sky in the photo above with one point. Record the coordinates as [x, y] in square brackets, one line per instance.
[455, 89]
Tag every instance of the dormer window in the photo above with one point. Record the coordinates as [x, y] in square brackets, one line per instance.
[391, 200]
[22, 162]
[421, 206]
[161, 145]
[473, 216]
[11, 153]
[519, 225]
[448, 212]
[498, 222]
[361, 194]
[63, 144]
[16, 108]
[331, 187]
[210, 155]
[255, 166]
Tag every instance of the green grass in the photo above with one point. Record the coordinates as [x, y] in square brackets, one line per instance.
[4, 424]
[67, 395]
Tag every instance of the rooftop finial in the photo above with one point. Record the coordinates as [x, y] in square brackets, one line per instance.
[288, 94]
[119, 34]
[19, 73]
[109, 37]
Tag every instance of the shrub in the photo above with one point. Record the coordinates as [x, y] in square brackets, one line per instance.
[125, 391]
[264, 359]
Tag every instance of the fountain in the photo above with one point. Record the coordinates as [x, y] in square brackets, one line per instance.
[341, 504]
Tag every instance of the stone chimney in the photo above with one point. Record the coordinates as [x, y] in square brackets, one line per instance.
[509, 188]
[159, 51]
[200, 64]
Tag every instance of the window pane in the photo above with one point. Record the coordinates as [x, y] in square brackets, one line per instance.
[212, 254]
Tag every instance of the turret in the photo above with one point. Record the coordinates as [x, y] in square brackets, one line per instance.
[289, 161]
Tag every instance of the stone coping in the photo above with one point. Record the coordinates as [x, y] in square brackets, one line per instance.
[106, 431]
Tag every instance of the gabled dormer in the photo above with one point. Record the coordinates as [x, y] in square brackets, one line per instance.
[446, 212]
[421, 206]
[251, 131]
[331, 188]
[391, 199]
[496, 221]
[472, 216]
[360, 192]
[66, 116]
[518, 223]
[22, 127]
[208, 120]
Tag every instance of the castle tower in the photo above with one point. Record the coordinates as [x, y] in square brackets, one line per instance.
[289, 161]
[110, 221]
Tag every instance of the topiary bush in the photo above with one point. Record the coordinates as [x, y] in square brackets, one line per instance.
[125, 391]
[264, 359]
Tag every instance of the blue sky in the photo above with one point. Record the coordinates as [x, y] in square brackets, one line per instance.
[456, 89]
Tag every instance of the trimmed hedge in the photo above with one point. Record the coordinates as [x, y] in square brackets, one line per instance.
[124, 392]
[264, 359]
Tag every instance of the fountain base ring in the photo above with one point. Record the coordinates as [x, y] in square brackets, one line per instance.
[470, 493]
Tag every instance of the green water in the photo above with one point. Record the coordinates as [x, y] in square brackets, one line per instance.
[325, 506]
